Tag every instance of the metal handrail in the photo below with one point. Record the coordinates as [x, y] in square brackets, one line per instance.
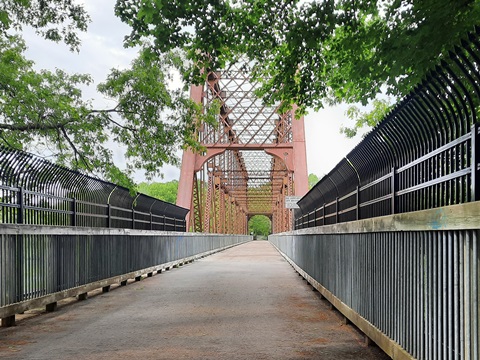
[428, 139]
[37, 192]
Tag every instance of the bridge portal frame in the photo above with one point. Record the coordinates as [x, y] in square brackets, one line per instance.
[221, 207]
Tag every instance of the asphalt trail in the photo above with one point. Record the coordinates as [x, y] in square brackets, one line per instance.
[243, 303]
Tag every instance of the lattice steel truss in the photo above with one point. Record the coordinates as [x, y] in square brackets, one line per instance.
[254, 158]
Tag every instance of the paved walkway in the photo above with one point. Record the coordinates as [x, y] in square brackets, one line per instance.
[243, 303]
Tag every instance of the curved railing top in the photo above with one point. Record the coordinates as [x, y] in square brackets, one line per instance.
[22, 169]
[440, 110]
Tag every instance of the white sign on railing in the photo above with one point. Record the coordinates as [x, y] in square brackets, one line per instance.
[291, 202]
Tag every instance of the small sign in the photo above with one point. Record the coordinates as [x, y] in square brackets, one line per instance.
[291, 202]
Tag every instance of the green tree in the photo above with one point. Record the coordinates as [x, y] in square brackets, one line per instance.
[45, 110]
[308, 53]
[312, 180]
[260, 225]
[57, 20]
[366, 119]
[163, 191]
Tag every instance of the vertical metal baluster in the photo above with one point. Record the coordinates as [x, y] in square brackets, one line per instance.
[475, 295]
[430, 294]
[444, 296]
[467, 296]
[439, 289]
[456, 296]
[411, 284]
[386, 284]
[404, 303]
[421, 328]
[449, 303]
[461, 266]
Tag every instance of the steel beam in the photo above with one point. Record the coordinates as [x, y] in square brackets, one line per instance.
[253, 158]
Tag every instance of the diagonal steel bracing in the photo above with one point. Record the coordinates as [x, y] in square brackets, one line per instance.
[254, 158]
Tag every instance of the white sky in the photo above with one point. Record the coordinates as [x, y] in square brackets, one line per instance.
[102, 49]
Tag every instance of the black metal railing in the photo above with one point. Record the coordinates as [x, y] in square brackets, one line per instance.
[425, 154]
[36, 192]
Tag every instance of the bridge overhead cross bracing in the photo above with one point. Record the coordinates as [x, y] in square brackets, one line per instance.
[254, 158]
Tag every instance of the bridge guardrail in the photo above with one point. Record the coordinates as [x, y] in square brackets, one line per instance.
[37, 192]
[425, 154]
[40, 265]
[409, 281]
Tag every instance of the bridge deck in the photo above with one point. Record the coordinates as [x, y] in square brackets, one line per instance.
[243, 303]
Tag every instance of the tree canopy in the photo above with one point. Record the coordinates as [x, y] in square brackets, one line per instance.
[58, 20]
[260, 225]
[366, 119]
[163, 191]
[312, 180]
[45, 112]
[307, 52]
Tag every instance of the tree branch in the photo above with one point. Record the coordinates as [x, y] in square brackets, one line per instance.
[114, 110]
[5, 140]
[33, 126]
[75, 150]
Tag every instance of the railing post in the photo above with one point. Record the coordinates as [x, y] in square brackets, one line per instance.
[357, 199]
[21, 204]
[133, 218]
[393, 186]
[151, 221]
[109, 216]
[323, 216]
[18, 252]
[475, 190]
[174, 224]
[164, 222]
[74, 212]
[336, 210]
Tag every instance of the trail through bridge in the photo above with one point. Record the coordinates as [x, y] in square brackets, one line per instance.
[243, 303]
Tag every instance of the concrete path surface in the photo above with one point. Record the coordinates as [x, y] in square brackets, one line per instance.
[243, 303]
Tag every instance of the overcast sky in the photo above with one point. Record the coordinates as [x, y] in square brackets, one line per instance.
[102, 49]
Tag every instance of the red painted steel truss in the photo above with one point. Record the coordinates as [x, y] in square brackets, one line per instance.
[254, 158]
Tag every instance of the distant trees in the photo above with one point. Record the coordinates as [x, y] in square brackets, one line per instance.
[163, 191]
[259, 225]
[312, 180]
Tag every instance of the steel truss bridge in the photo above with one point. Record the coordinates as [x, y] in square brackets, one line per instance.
[255, 157]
